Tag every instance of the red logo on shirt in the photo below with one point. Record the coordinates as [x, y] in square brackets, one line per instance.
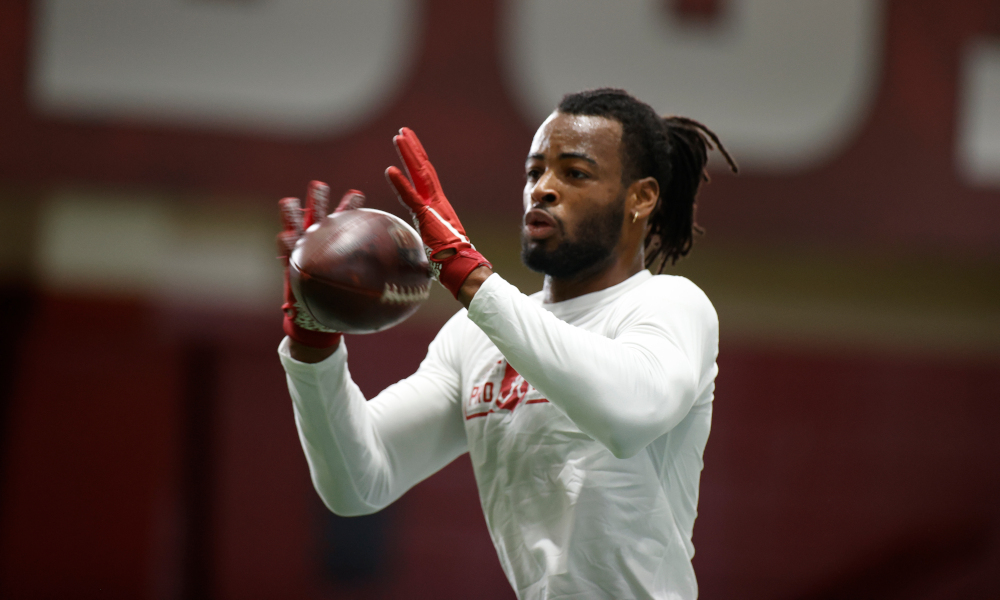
[513, 391]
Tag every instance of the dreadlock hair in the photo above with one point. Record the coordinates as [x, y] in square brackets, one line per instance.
[673, 150]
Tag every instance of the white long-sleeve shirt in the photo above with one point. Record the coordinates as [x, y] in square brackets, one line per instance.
[585, 420]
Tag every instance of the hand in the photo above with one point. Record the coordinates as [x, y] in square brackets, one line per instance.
[295, 220]
[452, 255]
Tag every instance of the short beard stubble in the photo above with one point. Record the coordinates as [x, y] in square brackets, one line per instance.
[595, 240]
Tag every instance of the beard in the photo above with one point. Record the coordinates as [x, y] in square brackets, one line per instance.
[590, 247]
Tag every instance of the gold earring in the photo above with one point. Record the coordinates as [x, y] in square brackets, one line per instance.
[635, 216]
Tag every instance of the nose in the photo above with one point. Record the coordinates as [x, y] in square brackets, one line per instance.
[545, 191]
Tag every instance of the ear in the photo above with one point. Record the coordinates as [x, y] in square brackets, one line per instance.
[642, 197]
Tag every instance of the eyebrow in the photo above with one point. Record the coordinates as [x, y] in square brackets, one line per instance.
[565, 155]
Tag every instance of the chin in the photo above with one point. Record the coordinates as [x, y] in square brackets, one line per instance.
[568, 260]
[532, 245]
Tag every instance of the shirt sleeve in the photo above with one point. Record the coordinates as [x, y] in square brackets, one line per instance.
[623, 391]
[363, 455]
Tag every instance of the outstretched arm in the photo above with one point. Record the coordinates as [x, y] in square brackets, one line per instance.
[363, 455]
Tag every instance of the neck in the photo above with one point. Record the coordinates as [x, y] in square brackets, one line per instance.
[602, 277]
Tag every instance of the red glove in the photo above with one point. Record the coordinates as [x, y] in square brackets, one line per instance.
[434, 217]
[299, 325]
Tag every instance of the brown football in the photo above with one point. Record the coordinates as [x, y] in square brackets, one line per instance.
[360, 271]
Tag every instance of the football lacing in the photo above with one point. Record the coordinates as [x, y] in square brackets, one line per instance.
[402, 294]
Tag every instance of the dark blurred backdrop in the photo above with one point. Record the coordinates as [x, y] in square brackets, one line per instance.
[148, 447]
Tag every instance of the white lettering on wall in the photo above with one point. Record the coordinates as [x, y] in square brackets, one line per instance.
[294, 67]
[978, 138]
[785, 83]
[150, 246]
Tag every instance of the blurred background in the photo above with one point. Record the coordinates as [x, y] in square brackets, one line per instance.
[148, 446]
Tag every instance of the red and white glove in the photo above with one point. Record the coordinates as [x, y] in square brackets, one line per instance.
[295, 220]
[435, 219]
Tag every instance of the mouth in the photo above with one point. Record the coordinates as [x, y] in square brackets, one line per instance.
[538, 224]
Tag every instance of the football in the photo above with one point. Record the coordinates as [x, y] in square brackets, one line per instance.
[360, 271]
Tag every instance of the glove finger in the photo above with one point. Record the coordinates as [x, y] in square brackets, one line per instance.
[418, 166]
[291, 225]
[286, 244]
[352, 199]
[291, 216]
[317, 201]
[418, 149]
[404, 190]
[414, 142]
[406, 157]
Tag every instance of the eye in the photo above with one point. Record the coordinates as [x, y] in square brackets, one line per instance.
[533, 174]
[578, 174]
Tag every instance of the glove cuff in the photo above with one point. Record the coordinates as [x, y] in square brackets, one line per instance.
[314, 339]
[456, 268]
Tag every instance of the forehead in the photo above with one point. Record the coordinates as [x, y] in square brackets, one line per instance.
[597, 137]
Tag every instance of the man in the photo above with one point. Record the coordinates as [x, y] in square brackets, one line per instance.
[586, 407]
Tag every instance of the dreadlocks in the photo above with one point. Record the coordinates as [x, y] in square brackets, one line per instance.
[673, 150]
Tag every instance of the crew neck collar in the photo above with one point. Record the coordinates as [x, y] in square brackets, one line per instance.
[593, 299]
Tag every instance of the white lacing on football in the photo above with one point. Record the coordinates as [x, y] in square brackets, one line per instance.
[402, 294]
[304, 320]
